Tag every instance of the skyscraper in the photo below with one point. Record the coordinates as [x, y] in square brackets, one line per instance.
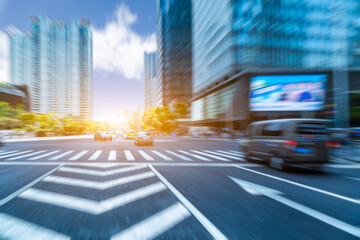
[230, 37]
[150, 80]
[173, 56]
[55, 61]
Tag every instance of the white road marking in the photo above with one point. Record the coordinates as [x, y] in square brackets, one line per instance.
[230, 153]
[343, 166]
[101, 173]
[145, 155]
[155, 225]
[3, 153]
[352, 178]
[44, 155]
[179, 155]
[29, 185]
[233, 151]
[79, 155]
[129, 156]
[16, 228]
[256, 189]
[26, 155]
[112, 155]
[90, 206]
[95, 155]
[14, 154]
[98, 185]
[209, 226]
[61, 155]
[300, 185]
[195, 156]
[162, 156]
[212, 156]
[223, 154]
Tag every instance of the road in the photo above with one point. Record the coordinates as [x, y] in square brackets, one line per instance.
[177, 189]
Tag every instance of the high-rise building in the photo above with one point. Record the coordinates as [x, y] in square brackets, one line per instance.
[173, 55]
[150, 80]
[55, 61]
[234, 36]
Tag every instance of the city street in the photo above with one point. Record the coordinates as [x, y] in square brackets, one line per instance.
[180, 188]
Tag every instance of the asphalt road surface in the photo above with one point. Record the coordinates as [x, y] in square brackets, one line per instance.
[177, 189]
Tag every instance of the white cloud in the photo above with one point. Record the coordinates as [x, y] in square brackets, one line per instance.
[4, 57]
[118, 48]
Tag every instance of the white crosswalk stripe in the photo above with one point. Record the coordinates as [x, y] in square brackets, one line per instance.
[162, 156]
[155, 225]
[129, 156]
[3, 153]
[225, 155]
[79, 155]
[211, 155]
[233, 151]
[230, 153]
[61, 155]
[179, 155]
[145, 155]
[14, 154]
[95, 155]
[195, 156]
[44, 155]
[112, 155]
[26, 155]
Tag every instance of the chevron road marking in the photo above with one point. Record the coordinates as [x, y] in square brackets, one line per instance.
[162, 156]
[26, 155]
[213, 156]
[61, 155]
[155, 225]
[16, 228]
[79, 155]
[98, 185]
[102, 173]
[44, 155]
[179, 156]
[195, 156]
[90, 206]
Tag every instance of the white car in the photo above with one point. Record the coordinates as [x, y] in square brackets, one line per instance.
[144, 138]
[102, 136]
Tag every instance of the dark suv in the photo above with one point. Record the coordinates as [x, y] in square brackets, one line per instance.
[284, 141]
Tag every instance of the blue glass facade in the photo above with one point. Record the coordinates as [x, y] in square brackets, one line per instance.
[55, 61]
[173, 56]
[150, 80]
[230, 36]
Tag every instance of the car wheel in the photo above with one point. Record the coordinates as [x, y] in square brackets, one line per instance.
[277, 163]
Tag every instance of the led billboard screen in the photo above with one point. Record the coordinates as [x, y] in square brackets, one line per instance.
[287, 92]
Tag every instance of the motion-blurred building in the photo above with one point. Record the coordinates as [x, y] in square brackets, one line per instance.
[150, 80]
[15, 95]
[173, 54]
[55, 61]
[232, 37]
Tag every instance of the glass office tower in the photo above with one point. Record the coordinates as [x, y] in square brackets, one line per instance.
[231, 36]
[55, 61]
[173, 56]
[150, 80]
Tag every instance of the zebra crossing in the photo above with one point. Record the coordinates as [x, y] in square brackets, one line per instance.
[224, 156]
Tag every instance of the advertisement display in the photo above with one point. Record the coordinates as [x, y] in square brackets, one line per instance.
[287, 92]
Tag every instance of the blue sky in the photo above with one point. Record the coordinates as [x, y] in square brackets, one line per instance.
[122, 31]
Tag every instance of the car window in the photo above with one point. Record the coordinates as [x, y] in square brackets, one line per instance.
[272, 129]
[311, 128]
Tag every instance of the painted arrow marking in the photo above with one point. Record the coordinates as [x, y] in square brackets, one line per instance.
[98, 185]
[256, 189]
[90, 206]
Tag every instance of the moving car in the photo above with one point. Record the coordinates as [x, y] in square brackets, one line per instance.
[131, 134]
[287, 141]
[102, 136]
[144, 138]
